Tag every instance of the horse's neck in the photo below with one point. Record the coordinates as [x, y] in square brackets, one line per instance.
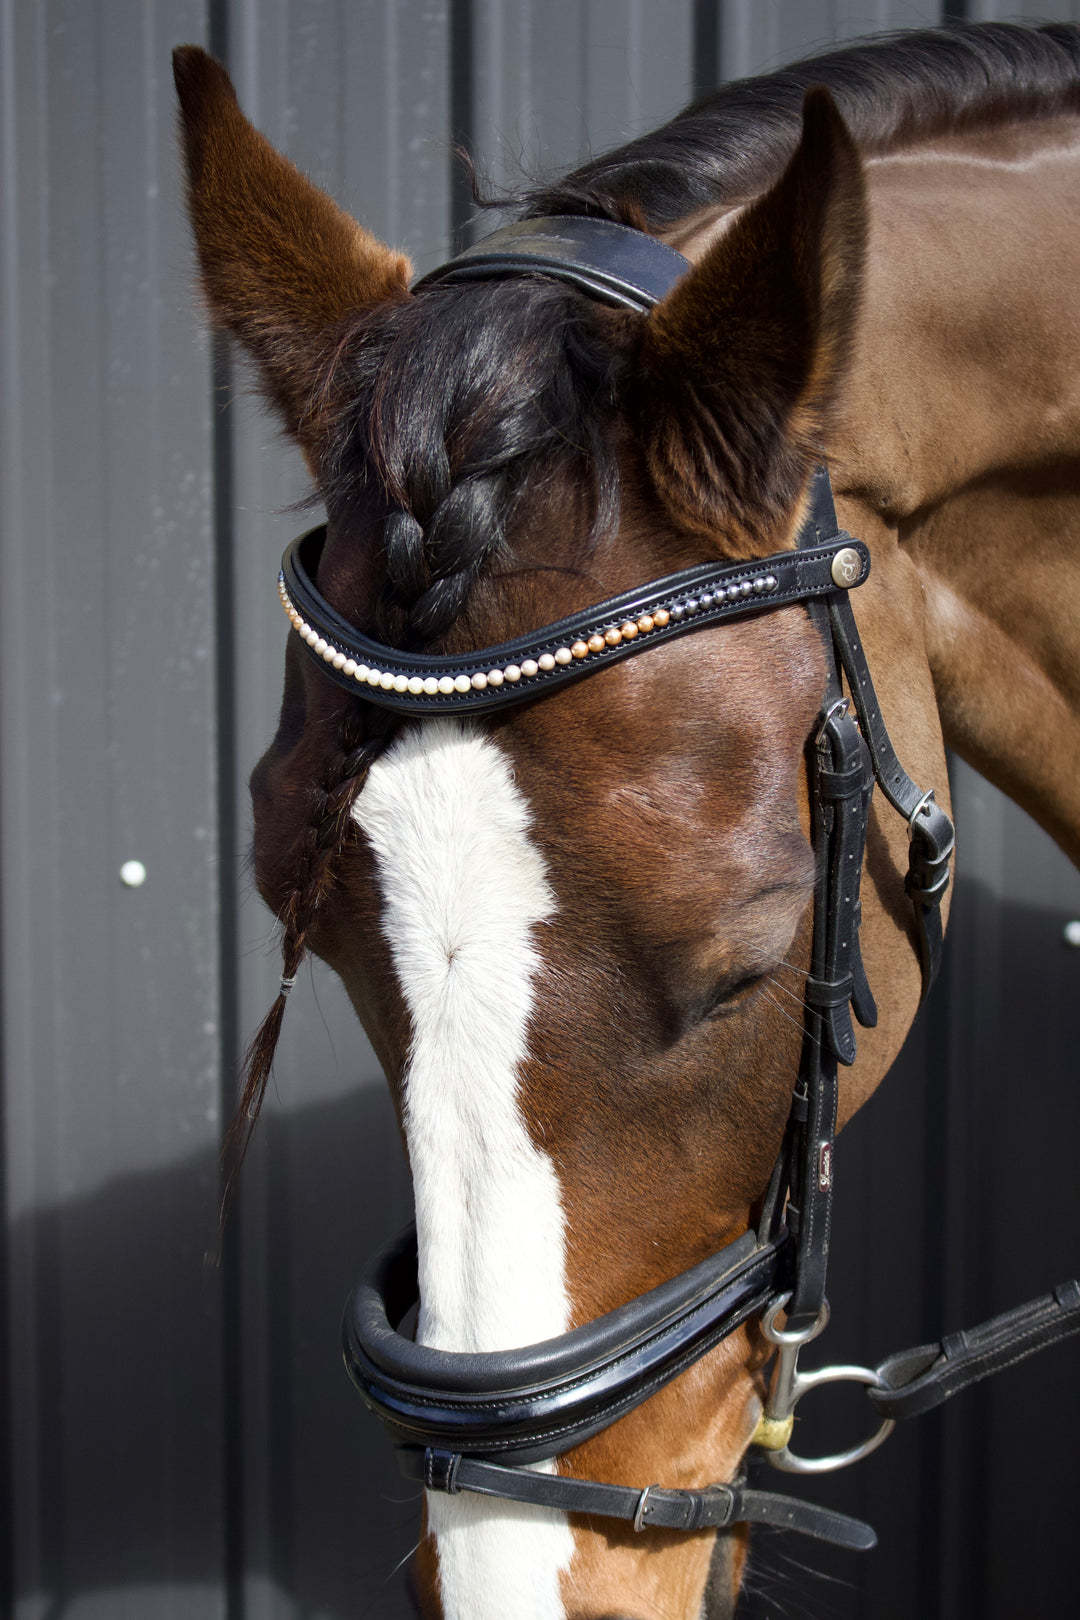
[961, 442]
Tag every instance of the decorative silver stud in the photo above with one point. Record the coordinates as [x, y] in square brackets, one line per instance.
[846, 568]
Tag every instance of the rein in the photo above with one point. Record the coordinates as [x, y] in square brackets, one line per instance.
[475, 1422]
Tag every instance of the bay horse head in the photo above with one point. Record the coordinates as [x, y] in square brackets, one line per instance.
[577, 930]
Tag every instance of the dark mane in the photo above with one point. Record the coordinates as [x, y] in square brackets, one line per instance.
[453, 404]
[891, 90]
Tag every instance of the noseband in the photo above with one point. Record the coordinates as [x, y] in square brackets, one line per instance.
[474, 1422]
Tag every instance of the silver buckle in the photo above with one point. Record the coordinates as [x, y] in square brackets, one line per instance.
[639, 1516]
[841, 706]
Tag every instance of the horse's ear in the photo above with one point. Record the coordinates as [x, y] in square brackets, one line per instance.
[741, 363]
[282, 265]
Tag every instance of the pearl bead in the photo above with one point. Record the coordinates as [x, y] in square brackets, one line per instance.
[431, 685]
[613, 637]
[597, 643]
[349, 667]
[386, 681]
[529, 668]
[495, 677]
[512, 672]
[416, 684]
[705, 601]
[563, 656]
[661, 617]
[446, 683]
[546, 661]
[580, 649]
[401, 683]
[479, 680]
[327, 654]
[362, 672]
[374, 677]
[319, 645]
[629, 630]
[462, 683]
[645, 623]
[338, 660]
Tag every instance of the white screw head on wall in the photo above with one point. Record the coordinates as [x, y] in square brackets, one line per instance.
[1072, 932]
[133, 875]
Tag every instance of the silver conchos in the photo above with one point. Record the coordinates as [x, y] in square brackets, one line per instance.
[846, 568]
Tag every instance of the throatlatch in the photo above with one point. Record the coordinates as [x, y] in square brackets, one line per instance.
[473, 1422]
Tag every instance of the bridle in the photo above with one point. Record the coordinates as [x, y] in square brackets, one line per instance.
[474, 1422]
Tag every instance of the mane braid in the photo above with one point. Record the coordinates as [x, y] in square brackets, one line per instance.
[891, 91]
[313, 862]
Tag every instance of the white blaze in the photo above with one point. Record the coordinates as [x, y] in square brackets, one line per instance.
[463, 890]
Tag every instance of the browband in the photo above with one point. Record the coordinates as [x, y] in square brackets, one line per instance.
[612, 263]
[543, 660]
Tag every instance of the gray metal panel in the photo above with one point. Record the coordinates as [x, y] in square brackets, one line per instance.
[110, 996]
[755, 37]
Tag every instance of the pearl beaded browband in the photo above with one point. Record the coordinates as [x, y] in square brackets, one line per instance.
[491, 677]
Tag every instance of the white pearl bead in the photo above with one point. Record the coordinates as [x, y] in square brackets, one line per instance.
[328, 653]
[431, 685]
[416, 684]
[338, 660]
[529, 668]
[387, 682]
[495, 677]
[546, 661]
[479, 681]
[349, 667]
[362, 672]
[563, 655]
[401, 683]
[512, 672]
[374, 677]
[319, 645]
[462, 683]
[446, 683]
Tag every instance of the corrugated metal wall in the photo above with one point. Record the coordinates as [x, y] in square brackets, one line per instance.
[178, 1435]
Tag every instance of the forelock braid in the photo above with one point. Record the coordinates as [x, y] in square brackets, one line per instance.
[313, 862]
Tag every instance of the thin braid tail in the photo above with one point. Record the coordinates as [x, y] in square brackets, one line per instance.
[314, 858]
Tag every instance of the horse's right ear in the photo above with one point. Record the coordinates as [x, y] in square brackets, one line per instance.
[282, 265]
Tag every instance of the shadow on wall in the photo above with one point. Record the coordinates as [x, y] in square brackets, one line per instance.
[955, 1200]
[134, 1420]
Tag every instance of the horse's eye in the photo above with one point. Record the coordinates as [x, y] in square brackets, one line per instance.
[733, 993]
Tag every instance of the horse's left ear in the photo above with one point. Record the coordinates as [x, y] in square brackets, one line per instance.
[741, 362]
[282, 265]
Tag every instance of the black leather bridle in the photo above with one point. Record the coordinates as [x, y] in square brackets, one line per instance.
[474, 1422]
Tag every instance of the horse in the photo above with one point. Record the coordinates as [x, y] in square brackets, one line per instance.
[579, 929]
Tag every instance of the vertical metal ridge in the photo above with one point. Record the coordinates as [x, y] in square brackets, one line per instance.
[222, 476]
[462, 121]
[8, 412]
[706, 67]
